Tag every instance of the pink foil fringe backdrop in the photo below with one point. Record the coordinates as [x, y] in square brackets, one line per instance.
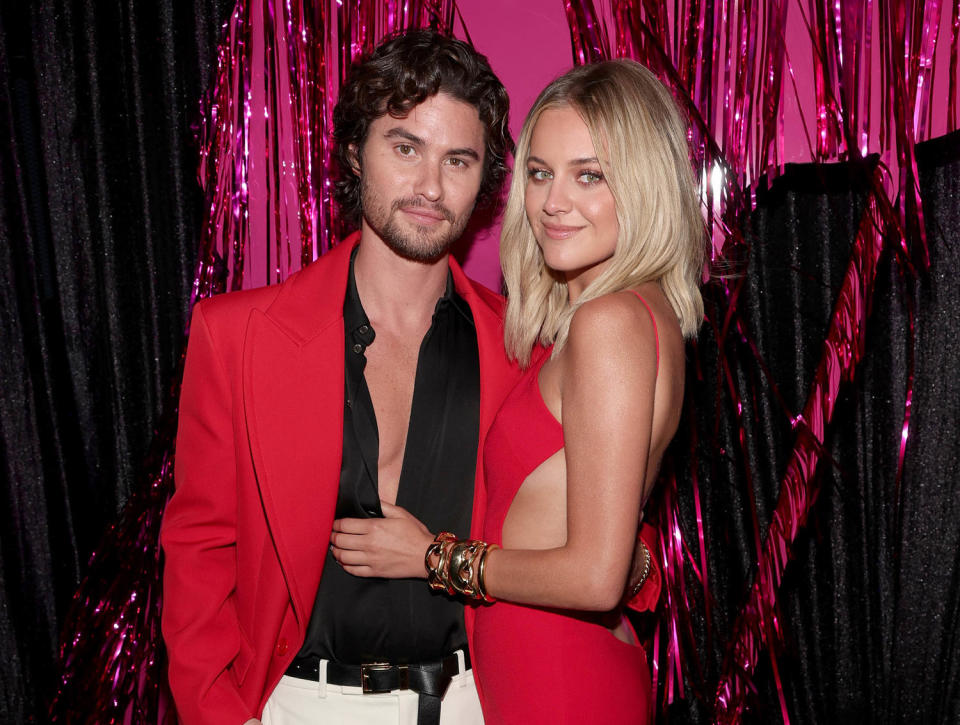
[726, 63]
[265, 170]
[265, 137]
[266, 173]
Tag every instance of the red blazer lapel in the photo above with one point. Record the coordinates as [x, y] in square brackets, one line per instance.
[293, 409]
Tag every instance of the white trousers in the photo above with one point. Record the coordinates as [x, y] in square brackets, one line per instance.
[304, 702]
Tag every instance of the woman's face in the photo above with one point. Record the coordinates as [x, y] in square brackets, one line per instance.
[567, 200]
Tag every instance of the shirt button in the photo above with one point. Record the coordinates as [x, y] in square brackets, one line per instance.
[282, 646]
[358, 348]
[363, 329]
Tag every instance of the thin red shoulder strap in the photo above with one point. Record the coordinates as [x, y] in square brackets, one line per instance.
[656, 333]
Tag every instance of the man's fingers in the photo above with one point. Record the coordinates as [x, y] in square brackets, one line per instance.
[350, 558]
[352, 526]
[364, 571]
[346, 542]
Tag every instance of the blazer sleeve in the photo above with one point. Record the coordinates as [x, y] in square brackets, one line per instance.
[198, 535]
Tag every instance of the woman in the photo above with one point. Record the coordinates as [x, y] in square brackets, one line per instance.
[602, 253]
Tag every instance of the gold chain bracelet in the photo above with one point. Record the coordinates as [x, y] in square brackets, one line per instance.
[438, 576]
[647, 559]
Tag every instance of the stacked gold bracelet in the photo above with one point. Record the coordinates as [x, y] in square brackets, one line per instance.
[457, 566]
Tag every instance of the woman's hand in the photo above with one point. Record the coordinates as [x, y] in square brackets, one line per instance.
[392, 547]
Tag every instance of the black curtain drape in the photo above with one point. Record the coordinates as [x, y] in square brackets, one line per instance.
[99, 217]
[871, 603]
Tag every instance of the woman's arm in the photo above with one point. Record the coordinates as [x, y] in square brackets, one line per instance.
[608, 376]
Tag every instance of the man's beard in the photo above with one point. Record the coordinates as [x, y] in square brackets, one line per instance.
[419, 244]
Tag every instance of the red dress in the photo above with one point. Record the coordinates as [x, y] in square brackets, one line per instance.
[536, 665]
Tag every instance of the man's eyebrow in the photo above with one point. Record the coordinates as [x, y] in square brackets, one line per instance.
[466, 151]
[397, 132]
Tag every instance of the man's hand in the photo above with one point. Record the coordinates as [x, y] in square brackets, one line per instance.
[392, 547]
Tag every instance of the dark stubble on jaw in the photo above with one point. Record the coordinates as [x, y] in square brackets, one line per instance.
[419, 244]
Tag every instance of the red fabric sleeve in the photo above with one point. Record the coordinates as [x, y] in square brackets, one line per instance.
[646, 599]
[198, 536]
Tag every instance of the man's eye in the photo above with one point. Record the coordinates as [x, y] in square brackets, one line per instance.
[458, 163]
[406, 149]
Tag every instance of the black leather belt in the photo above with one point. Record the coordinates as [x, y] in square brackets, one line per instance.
[428, 679]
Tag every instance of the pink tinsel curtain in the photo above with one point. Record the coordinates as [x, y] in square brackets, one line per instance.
[266, 175]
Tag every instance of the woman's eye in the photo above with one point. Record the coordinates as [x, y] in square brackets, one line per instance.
[539, 174]
[590, 177]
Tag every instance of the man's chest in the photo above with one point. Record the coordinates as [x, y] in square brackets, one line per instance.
[390, 375]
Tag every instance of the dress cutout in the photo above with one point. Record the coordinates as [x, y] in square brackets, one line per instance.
[538, 666]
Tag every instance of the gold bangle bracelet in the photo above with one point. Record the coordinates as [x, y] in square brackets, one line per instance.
[481, 573]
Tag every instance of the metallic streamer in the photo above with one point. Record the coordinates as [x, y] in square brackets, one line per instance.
[842, 350]
[272, 111]
[112, 665]
[587, 34]
[954, 43]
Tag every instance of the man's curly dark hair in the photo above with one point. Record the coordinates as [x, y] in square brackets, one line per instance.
[403, 72]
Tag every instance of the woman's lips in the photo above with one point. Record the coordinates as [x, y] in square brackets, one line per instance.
[559, 231]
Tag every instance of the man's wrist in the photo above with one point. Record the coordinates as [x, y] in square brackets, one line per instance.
[456, 566]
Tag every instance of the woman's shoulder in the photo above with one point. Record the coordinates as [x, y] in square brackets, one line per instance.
[631, 328]
[613, 331]
[640, 311]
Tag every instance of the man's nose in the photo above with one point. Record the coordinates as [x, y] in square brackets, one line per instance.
[429, 182]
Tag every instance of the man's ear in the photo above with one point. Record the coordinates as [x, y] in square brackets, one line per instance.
[353, 156]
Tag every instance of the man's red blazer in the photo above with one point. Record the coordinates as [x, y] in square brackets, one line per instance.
[257, 469]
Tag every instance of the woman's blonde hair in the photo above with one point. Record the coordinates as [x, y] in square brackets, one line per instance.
[641, 141]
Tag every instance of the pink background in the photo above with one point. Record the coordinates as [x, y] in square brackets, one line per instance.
[528, 44]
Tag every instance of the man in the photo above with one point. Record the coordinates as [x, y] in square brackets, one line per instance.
[369, 376]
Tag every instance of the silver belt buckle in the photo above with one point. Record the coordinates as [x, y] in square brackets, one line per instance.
[403, 679]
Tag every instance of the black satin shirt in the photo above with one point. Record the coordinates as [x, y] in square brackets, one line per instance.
[357, 620]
